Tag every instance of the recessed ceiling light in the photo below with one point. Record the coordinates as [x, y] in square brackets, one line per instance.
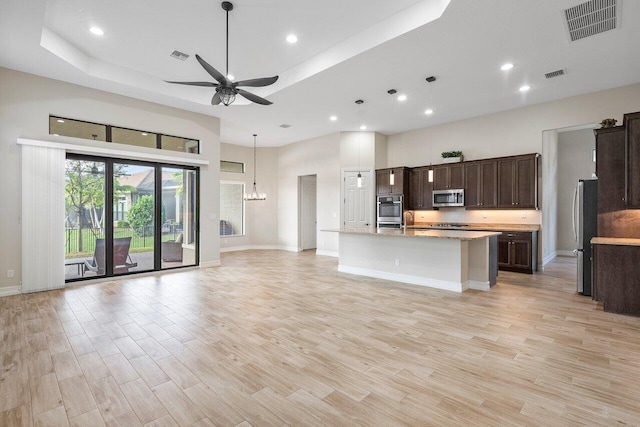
[506, 66]
[230, 76]
[402, 97]
[60, 121]
[363, 127]
[428, 112]
[291, 38]
[97, 31]
[144, 134]
[524, 88]
[333, 118]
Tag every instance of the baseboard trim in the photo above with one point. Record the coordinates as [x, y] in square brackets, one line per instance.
[549, 258]
[9, 290]
[334, 254]
[478, 286]
[260, 248]
[566, 253]
[403, 278]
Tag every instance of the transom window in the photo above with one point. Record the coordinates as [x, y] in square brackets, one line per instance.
[119, 135]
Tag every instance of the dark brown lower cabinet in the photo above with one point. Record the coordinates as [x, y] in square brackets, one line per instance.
[616, 282]
[518, 251]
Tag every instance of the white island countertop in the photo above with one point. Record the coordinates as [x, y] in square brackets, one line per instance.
[438, 234]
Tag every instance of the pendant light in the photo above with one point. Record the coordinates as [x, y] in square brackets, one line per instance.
[254, 195]
[392, 178]
[428, 112]
[359, 176]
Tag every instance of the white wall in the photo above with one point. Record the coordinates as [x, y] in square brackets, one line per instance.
[549, 190]
[261, 225]
[574, 162]
[320, 157]
[25, 104]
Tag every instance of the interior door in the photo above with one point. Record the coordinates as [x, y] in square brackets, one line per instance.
[308, 212]
[358, 202]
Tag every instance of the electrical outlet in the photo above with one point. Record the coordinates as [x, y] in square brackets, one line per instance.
[524, 215]
[484, 214]
[397, 262]
[9, 273]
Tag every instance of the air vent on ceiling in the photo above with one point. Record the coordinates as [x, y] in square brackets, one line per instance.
[284, 126]
[179, 55]
[591, 18]
[556, 73]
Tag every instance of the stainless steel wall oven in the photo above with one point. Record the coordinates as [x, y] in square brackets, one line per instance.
[389, 211]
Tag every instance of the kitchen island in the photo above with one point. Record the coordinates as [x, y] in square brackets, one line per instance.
[454, 260]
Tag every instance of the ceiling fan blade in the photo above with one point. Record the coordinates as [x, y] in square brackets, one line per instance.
[216, 99]
[212, 71]
[265, 81]
[254, 98]
[208, 84]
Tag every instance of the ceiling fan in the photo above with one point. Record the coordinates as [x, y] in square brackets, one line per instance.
[226, 90]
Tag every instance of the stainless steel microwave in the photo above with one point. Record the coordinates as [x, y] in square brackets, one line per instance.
[448, 198]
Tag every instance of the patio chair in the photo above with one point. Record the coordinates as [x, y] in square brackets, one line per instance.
[97, 263]
[122, 261]
[172, 250]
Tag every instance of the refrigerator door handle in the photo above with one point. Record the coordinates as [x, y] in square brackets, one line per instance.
[575, 199]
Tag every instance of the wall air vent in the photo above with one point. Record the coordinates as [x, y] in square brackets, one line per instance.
[556, 73]
[179, 55]
[591, 18]
[285, 126]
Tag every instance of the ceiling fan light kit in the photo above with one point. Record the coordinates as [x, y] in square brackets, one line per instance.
[226, 90]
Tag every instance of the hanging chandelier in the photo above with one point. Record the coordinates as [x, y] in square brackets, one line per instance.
[254, 195]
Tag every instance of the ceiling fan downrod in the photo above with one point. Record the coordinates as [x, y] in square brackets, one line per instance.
[227, 6]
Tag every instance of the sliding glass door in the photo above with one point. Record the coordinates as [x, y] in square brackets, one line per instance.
[127, 217]
[134, 217]
[85, 196]
[179, 196]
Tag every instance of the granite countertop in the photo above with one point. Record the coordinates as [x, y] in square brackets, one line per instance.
[480, 227]
[623, 241]
[438, 234]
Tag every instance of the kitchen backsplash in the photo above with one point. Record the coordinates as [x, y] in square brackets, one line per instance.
[460, 215]
[624, 224]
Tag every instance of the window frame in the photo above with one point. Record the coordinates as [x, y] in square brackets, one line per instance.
[244, 210]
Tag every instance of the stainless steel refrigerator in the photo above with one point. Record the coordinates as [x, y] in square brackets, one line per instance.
[585, 226]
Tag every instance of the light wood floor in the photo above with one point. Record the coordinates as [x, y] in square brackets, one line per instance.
[276, 338]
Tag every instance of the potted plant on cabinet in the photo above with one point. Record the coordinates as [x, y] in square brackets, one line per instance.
[452, 156]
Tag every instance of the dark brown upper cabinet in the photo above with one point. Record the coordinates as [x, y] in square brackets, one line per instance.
[632, 164]
[610, 169]
[481, 184]
[518, 182]
[383, 178]
[420, 189]
[450, 176]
